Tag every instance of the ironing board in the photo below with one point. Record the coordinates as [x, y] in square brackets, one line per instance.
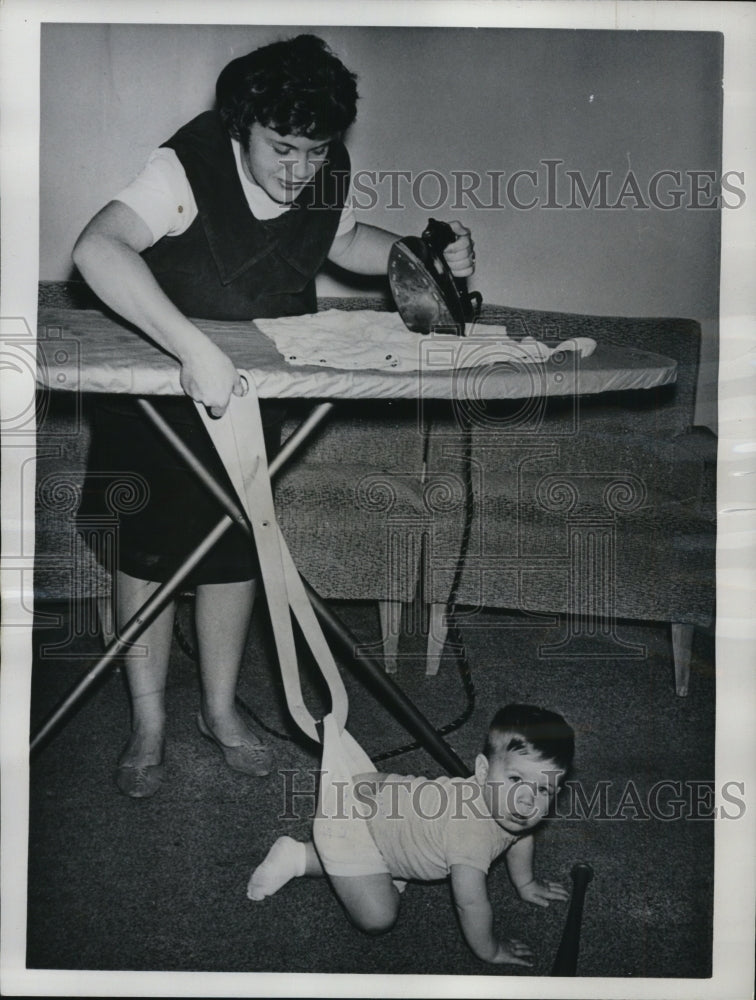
[87, 351]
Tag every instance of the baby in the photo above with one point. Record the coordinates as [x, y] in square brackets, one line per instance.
[450, 827]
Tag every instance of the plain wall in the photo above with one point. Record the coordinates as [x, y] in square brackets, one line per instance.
[446, 100]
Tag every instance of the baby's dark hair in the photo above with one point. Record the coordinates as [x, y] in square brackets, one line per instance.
[537, 730]
[296, 87]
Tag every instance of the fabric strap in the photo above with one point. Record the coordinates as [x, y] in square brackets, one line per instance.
[340, 831]
[238, 438]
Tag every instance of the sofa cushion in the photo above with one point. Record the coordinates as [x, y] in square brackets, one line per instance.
[553, 540]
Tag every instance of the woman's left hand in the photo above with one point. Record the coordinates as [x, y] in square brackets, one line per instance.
[460, 255]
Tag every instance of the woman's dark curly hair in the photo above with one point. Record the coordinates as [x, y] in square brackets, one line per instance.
[296, 87]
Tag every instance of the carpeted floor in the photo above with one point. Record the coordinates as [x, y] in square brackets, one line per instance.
[159, 884]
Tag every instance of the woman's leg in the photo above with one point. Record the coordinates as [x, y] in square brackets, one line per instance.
[146, 671]
[223, 612]
[146, 665]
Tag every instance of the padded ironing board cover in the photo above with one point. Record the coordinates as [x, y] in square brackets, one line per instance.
[340, 831]
[84, 350]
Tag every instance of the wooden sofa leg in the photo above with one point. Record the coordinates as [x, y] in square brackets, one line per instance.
[106, 615]
[390, 613]
[437, 630]
[682, 644]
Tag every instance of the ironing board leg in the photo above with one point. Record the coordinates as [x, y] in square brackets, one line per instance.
[298, 437]
[372, 674]
[367, 669]
[130, 633]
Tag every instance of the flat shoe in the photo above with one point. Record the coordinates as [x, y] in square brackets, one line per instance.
[249, 758]
[139, 782]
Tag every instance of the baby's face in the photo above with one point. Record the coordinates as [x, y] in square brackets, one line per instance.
[518, 788]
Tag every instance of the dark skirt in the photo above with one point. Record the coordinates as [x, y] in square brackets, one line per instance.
[161, 508]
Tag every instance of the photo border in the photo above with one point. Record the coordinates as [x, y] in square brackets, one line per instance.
[20, 22]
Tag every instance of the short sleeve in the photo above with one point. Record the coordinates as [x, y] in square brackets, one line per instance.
[161, 195]
[475, 842]
[347, 221]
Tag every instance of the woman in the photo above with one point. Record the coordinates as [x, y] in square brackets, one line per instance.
[231, 219]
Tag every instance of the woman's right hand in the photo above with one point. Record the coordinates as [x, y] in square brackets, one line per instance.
[209, 377]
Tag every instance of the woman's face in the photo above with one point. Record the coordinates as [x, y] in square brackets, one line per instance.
[282, 165]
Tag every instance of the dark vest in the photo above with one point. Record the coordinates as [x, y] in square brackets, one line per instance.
[230, 265]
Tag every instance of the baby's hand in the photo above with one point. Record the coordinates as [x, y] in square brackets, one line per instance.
[540, 893]
[512, 952]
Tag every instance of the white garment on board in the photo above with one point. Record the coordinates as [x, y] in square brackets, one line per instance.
[360, 339]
